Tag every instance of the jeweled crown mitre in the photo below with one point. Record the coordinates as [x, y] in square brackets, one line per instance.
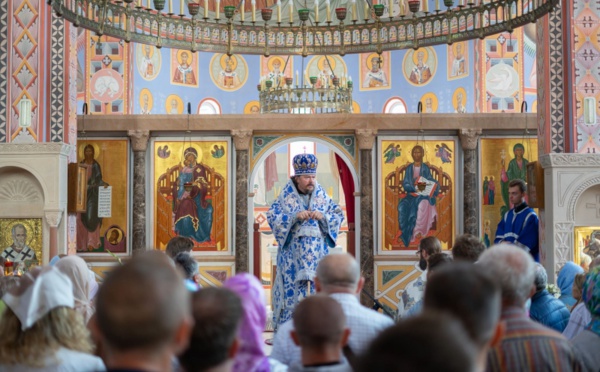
[305, 164]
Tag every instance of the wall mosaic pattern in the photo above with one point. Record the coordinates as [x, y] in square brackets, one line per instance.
[3, 68]
[586, 53]
[502, 72]
[27, 29]
[107, 75]
[238, 97]
[57, 79]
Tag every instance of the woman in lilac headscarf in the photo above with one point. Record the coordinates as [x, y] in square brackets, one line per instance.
[251, 355]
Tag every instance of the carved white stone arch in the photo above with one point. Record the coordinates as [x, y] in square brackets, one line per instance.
[579, 190]
[571, 184]
[33, 184]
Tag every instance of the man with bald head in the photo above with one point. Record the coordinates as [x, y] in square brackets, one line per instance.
[143, 315]
[338, 276]
[320, 331]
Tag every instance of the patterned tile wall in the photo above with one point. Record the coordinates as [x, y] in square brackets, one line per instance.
[26, 31]
[556, 82]
[57, 79]
[3, 67]
[586, 75]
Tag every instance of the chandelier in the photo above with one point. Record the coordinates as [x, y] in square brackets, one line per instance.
[322, 27]
[326, 94]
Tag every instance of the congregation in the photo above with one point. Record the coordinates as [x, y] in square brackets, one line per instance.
[479, 309]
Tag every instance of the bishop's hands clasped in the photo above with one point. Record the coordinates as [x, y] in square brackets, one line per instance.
[306, 215]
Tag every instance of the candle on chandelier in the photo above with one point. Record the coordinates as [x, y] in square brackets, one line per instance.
[402, 9]
[437, 5]
[297, 78]
[328, 10]
[243, 10]
[354, 10]
[391, 7]
[253, 10]
[291, 11]
[170, 6]
[148, 4]
[317, 11]
[366, 10]
[218, 9]
[139, 3]
[278, 11]
[205, 8]
[425, 6]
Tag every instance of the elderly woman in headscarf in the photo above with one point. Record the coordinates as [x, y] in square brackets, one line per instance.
[587, 343]
[565, 280]
[84, 285]
[580, 315]
[40, 329]
[251, 355]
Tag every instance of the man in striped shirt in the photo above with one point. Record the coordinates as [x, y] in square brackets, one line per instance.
[525, 344]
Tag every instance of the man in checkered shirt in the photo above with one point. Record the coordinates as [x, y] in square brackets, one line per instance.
[18, 251]
[338, 276]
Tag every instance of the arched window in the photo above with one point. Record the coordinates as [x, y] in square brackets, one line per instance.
[394, 105]
[209, 106]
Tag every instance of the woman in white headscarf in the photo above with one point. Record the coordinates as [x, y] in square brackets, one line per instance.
[76, 269]
[40, 329]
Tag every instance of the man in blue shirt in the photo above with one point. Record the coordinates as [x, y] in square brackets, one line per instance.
[519, 225]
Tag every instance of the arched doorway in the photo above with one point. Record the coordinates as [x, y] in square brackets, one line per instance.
[270, 171]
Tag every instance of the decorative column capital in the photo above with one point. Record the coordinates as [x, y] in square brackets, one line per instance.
[139, 139]
[468, 138]
[365, 138]
[53, 217]
[241, 138]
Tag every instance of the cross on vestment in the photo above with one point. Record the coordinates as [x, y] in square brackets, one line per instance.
[26, 255]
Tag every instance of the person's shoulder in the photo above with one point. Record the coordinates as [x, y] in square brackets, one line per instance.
[525, 328]
[71, 360]
[585, 338]
[286, 327]
[363, 314]
[277, 366]
[531, 211]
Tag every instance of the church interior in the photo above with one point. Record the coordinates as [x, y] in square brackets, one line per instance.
[100, 108]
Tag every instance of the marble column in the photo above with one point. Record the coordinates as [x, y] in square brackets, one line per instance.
[241, 141]
[53, 219]
[139, 143]
[366, 139]
[469, 140]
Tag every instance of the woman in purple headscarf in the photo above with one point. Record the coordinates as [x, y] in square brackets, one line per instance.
[251, 356]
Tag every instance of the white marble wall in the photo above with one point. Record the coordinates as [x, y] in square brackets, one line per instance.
[33, 184]
[572, 198]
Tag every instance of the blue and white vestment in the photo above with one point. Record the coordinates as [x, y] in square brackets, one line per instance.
[302, 244]
[520, 226]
